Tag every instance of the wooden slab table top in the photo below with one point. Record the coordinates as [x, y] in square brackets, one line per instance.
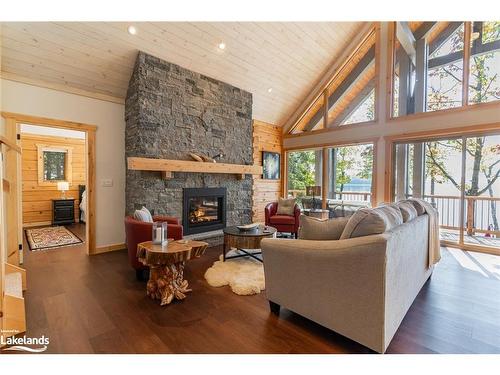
[166, 267]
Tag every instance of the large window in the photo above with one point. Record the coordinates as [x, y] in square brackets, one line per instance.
[350, 96]
[350, 173]
[484, 81]
[459, 176]
[347, 186]
[429, 69]
[304, 170]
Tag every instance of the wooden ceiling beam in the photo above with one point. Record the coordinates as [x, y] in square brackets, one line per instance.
[353, 105]
[443, 36]
[423, 30]
[364, 34]
[357, 72]
[477, 49]
[406, 39]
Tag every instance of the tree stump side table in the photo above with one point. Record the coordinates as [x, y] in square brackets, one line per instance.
[166, 268]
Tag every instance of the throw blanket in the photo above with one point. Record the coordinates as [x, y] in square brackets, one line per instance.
[434, 243]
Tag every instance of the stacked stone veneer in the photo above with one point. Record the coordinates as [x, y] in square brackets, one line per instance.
[171, 111]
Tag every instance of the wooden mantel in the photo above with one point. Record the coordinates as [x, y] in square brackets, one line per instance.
[168, 166]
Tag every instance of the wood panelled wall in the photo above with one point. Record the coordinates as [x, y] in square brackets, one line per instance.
[37, 200]
[266, 137]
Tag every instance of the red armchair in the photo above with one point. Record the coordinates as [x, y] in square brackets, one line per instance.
[139, 231]
[283, 223]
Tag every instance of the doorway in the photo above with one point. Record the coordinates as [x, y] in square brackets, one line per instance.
[14, 122]
[460, 177]
[54, 194]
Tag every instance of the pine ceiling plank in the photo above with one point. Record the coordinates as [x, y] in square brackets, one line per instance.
[99, 56]
[54, 49]
[67, 65]
[65, 39]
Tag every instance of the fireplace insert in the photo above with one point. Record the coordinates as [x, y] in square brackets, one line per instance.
[204, 209]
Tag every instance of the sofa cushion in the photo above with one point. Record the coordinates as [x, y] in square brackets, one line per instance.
[285, 206]
[312, 228]
[282, 219]
[368, 221]
[143, 215]
[407, 210]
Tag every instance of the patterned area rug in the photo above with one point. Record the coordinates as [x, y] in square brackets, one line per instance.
[50, 238]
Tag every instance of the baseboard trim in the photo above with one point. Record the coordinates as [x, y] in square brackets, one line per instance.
[109, 248]
[43, 223]
[37, 224]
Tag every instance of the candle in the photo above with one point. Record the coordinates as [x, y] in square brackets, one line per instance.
[158, 235]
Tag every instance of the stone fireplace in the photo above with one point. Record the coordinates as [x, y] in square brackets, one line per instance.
[171, 111]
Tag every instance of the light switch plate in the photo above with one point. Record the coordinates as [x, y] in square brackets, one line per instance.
[107, 182]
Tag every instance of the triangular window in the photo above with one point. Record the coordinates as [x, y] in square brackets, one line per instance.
[349, 96]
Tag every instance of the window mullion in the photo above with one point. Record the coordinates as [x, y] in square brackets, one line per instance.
[325, 108]
[465, 77]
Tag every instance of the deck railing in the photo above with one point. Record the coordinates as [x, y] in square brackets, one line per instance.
[479, 213]
[357, 196]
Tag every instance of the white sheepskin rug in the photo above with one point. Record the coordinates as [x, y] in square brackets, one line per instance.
[245, 276]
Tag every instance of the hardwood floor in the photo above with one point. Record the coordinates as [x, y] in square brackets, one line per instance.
[95, 305]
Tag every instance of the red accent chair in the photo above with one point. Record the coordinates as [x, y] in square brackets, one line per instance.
[139, 231]
[282, 223]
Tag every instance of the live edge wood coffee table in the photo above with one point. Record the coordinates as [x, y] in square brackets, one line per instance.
[166, 267]
[245, 240]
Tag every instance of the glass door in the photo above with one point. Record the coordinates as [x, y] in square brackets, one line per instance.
[460, 177]
[482, 191]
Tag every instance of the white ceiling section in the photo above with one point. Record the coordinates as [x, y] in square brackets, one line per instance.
[56, 132]
[96, 58]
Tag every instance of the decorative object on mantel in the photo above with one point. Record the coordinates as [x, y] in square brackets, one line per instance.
[207, 159]
[166, 268]
[196, 157]
[218, 156]
[272, 165]
[245, 276]
[168, 166]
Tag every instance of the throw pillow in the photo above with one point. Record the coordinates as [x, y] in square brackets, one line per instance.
[143, 215]
[407, 210]
[286, 206]
[368, 221]
[416, 203]
[312, 228]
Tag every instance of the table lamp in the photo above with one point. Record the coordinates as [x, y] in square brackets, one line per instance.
[64, 187]
[313, 190]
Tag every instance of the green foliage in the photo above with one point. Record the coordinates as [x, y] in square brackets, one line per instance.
[54, 165]
[301, 169]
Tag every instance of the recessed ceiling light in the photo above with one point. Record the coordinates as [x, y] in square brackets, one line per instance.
[222, 45]
[132, 30]
[270, 89]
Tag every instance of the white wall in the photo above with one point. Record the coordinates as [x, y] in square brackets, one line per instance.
[110, 144]
[479, 115]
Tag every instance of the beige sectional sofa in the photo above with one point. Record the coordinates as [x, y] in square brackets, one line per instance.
[360, 286]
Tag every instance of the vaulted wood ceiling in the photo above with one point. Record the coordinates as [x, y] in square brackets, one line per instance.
[96, 58]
